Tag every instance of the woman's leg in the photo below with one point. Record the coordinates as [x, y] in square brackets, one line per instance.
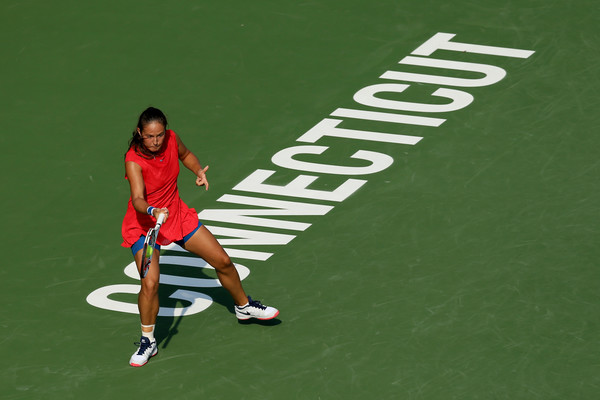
[203, 244]
[148, 307]
[148, 297]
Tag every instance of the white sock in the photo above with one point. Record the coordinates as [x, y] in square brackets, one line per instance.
[243, 305]
[149, 335]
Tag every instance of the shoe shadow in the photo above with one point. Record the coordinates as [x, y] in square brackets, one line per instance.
[254, 321]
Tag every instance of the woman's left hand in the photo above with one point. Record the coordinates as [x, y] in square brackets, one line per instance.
[201, 178]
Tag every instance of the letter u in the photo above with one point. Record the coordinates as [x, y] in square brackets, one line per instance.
[492, 73]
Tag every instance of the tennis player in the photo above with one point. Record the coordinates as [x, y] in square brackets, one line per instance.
[152, 168]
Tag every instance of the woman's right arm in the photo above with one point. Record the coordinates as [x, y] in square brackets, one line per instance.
[136, 185]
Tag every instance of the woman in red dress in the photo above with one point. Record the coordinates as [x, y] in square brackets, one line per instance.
[152, 168]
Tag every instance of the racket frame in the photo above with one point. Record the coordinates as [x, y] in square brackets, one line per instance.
[149, 244]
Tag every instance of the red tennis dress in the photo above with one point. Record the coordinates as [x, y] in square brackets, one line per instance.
[160, 179]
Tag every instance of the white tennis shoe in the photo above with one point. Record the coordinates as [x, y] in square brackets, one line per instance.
[254, 309]
[142, 355]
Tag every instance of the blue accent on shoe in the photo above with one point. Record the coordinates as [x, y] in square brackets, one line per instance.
[144, 344]
[255, 303]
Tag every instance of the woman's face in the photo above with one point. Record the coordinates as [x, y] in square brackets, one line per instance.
[153, 136]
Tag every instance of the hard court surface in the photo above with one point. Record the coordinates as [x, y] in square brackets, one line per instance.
[462, 266]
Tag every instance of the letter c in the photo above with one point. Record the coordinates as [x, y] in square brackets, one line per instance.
[284, 158]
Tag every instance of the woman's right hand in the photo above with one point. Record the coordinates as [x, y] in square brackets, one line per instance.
[157, 211]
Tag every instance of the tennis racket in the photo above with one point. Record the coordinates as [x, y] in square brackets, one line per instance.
[149, 245]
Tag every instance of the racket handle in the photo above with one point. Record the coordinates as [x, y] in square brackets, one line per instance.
[161, 218]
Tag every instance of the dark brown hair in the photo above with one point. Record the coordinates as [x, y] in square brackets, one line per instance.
[149, 115]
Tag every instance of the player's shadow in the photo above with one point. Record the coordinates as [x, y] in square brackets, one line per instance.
[167, 328]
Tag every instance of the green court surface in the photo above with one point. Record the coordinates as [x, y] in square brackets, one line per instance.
[463, 265]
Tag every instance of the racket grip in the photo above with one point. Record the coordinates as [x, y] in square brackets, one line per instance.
[161, 218]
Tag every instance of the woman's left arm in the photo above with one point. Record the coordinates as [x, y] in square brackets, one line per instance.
[190, 161]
